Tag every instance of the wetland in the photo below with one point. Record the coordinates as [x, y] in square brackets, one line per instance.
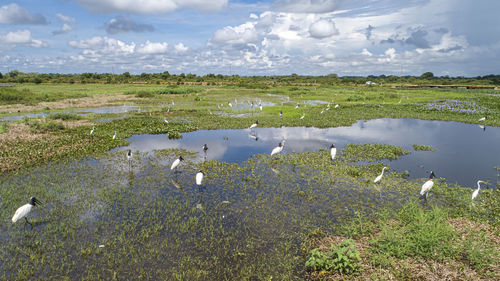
[255, 216]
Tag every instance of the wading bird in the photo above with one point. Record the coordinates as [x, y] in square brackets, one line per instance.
[297, 106]
[114, 136]
[129, 158]
[482, 119]
[260, 106]
[281, 114]
[176, 163]
[476, 192]
[92, 131]
[336, 106]
[199, 177]
[254, 125]
[333, 151]
[277, 149]
[426, 187]
[24, 210]
[302, 117]
[379, 177]
[205, 148]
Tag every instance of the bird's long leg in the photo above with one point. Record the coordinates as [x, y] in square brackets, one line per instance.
[27, 222]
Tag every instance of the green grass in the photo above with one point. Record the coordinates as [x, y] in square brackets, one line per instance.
[64, 116]
[423, 147]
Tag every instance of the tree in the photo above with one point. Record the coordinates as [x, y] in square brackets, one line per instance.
[427, 75]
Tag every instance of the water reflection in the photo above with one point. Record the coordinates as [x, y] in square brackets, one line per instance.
[463, 153]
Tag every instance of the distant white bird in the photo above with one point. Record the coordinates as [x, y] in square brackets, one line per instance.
[476, 192]
[199, 177]
[281, 114]
[297, 106]
[176, 163]
[426, 187]
[322, 111]
[24, 210]
[114, 136]
[333, 151]
[230, 105]
[302, 117]
[482, 119]
[254, 125]
[260, 106]
[336, 105]
[92, 131]
[379, 177]
[277, 149]
[165, 120]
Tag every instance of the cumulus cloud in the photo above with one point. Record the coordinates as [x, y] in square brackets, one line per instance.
[21, 37]
[68, 24]
[322, 29]
[123, 24]
[180, 48]
[307, 6]
[416, 37]
[150, 48]
[104, 45]
[150, 6]
[238, 36]
[15, 14]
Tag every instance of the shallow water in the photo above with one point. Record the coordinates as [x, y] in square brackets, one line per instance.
[79, 111]
[464, 152]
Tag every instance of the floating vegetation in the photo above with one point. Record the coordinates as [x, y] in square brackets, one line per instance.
[467, 107]
[423, 147]
[372, 152]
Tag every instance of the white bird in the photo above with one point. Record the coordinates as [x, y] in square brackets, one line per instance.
[254, 125]
[336, 105]
[165, 120]
[199, 177]
[333, 151]
[277, 149]
[482, 119]
[302, 117]
[114, 136]
[427, 185]
[92, 131]
[260, 106]
[322, 111]
[176, 163]
[230, 105]
[281, 114]
[24, 210]
[379, 177]
[476, 192]
[297, 106]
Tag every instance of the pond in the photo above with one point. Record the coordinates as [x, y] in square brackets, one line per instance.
[464, 152]
[79, 111]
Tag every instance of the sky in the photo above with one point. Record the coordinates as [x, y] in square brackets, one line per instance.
[247, 37]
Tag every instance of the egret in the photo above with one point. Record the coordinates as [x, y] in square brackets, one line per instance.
[427, 185]
[322, 111]
[254, 125]
[297, 106]
[199, 177]
[482, 119]
[92, 131]
[114, 136]
[176, 163]
[24, 210]
[230, 105]
[165, 120]
[277, 149]
[260, 106]
[379, 177]
[302, 117]
[129, 157]
[333, 151]
[336, 105]
[476, 192]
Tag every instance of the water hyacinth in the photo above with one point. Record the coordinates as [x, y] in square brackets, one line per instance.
[467, 107]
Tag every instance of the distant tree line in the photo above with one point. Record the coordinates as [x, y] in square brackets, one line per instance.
[15, 76]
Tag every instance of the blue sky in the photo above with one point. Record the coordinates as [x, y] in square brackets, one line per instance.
[268, 37]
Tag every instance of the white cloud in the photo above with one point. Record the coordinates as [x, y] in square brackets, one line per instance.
[21, 37]
[152, 48]
[15, 14]
[104, 45]
[68, 24]
[307, 6]
[238, 35]
[180, 48]
[322, 29]
[150, 6]
[122, 24]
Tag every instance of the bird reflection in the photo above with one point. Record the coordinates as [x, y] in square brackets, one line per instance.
[482, 127]
[176, 184]
[253, 136]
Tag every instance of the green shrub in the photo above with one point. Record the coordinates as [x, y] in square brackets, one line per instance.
[44, 127]
[423, 147]
[343, 258]
[64, 116]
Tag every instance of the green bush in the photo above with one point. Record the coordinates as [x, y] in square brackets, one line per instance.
[64, 116]
[44, 127]
[343, 258]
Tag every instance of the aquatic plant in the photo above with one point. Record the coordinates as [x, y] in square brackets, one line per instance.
[423, 147]
[466, 107]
